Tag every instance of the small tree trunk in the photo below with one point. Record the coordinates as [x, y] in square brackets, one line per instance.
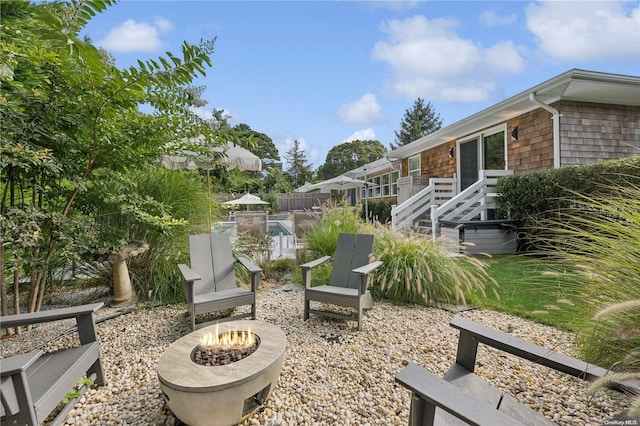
[16, 296]
[3, 290]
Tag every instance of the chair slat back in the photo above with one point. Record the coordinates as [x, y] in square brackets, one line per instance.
[212, 259]
[223, 261]
[352, 251]
[200, 255]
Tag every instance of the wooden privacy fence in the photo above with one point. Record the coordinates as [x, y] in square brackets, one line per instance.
[300, 201]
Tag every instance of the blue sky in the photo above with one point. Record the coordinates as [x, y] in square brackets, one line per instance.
[326, 72]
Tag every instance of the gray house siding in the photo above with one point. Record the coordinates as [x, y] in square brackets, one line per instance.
[591, 132]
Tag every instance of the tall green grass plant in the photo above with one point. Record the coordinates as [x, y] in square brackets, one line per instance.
[180, 195]
[417, 270]
[599, 237]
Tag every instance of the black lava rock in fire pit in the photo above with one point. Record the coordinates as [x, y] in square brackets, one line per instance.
[221, 355]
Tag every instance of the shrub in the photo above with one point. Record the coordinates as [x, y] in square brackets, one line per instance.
[380, 211]
[531, 196]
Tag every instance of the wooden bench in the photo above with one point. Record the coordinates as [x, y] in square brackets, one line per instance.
[461, 397]
[34, 384]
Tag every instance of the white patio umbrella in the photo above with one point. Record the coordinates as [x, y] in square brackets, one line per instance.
[246, 199]
[233, 157]
[338, 183]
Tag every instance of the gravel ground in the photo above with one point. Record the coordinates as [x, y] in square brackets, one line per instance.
[332, 374]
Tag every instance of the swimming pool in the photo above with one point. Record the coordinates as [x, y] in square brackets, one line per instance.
[273, 228]
[276, 228]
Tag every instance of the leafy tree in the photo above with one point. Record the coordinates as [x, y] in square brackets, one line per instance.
[299, 170]
[277, 180]
[263, 148]
[417, 122]
[66, 114]
[350, 155]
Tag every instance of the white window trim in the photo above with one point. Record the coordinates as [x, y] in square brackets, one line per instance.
[479, 137]
[409, 165]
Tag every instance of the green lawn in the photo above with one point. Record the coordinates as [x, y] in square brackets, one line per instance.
[532, 288]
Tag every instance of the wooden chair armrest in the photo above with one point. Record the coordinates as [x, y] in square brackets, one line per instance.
[48, 316]
[471, 331]
[367, 269]
[249, 265]
[18, 363]
[314, 263]
[254, 270]
[430, 391]
[188, 274]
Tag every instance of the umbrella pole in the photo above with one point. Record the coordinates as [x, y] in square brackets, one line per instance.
[209, 200]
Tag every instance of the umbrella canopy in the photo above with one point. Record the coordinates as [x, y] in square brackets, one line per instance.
[233, 156]
[246, 199]
[338, 183]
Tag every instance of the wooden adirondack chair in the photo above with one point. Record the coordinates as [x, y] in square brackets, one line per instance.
[463, 397]
[349, 278]
[34, 383]
[210, 283]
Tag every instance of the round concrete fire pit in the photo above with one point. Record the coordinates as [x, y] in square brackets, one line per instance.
[221, 395]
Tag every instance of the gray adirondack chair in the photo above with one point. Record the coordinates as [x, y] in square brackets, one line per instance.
[33, 384]
[462, 397]
[349, 278]
[210, 282]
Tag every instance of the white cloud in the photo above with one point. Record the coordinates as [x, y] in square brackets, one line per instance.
[162, 24]
[363, 135]
[207, 114]
[589, 30]
[202, 112]
[132, 36]
[361, 111]
[430, 60]
[491, 18]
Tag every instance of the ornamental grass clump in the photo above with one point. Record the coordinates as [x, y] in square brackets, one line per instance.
[322, 238]
[599, 237]
[417, 270]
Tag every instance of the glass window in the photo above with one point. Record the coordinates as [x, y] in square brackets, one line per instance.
[414, 165]
[385, 185]
[494, 151]
[394, 182]
[376, 186]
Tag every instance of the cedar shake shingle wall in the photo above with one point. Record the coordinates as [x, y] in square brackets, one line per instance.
[592, 132]
[534, 148]
[435, 162]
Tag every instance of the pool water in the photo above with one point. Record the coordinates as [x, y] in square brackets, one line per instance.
[275, 228]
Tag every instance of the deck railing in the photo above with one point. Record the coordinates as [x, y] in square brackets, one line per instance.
[473, 202]
[436, 193]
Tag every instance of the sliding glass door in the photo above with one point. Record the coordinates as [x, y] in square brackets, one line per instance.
[485, 151]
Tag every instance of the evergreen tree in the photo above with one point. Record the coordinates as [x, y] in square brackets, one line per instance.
[298, 169]
[417, 122]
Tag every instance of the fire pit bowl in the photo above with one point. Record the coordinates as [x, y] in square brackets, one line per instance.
[221, 395]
